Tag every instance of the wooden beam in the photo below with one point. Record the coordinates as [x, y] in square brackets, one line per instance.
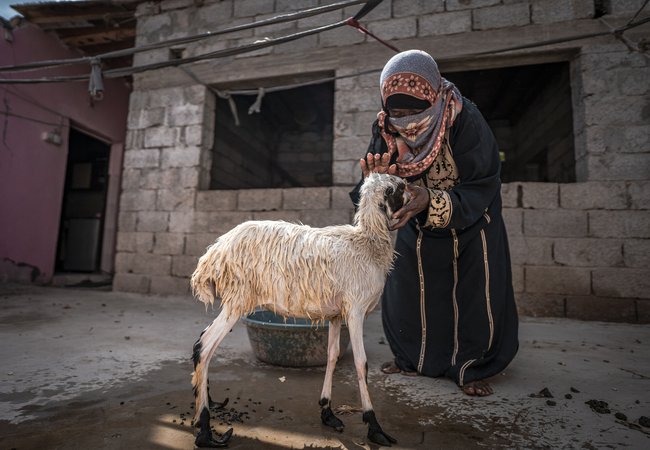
[97, 37]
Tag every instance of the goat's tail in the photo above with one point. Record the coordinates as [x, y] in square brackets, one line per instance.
[204, 278]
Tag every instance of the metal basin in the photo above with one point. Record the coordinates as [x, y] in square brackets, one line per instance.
[290, 342]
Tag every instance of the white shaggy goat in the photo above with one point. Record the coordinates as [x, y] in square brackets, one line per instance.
[333, 273]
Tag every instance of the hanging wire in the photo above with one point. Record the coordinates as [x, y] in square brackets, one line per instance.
[291, 16]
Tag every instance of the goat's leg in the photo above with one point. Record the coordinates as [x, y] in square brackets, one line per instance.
[203, 351]
[375, 433]
[333, 347]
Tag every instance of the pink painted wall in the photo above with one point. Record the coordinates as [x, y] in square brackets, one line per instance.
[32, 171]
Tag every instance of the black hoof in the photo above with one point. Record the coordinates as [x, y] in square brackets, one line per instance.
[329, 419]
[217, 405]
[205, 440]
[375, 433]
[381, 438]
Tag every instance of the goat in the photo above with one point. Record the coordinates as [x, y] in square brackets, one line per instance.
[332, 273]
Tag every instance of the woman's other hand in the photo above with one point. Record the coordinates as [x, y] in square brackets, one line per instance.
[419, 202]
[377, 163]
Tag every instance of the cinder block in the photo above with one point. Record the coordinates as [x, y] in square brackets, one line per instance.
[340, 37]
[137, 242]
[150, 264]
[287, 216]
[540, 195]
[619, 166]
[134, 139]
[588, 252]
[153, 28]
[197, 243]
[510, 15]
[218, 12]
[346, 172]
[531, 250]
[601, 308]
[341, 197]
[195, 135]
[246, 8]
[404, 8]
[619, 224]
[259, 199]
[181, 177]
[518, 278]
[184, 115]
[622, 282]
[124, 262]
[558, 280]
[181, 157]
[382, 11]
[182, 221]
[161, 137]
[216, 200]
[175, 199]
[558, 222]
[126, 221]
[184, 265]
[540, 305]
[395, 28]
[145, 118]
[623, 7]
[636, 253]
[169, 243]
[445, 23]
[347, 148]
[551, 11]
[593, 195]
[294, 5]
[639, 194]
[306, 198]
[152, 221]
[454, 5]
[131, 179]
[325, 217]
[361, 99]
[127, 282]
[511, 195]
[140, 200]
[162, 285]
[220, 222]
[137, 159]
[513, 219]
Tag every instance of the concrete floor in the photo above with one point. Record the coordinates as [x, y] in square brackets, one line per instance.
[85, 369]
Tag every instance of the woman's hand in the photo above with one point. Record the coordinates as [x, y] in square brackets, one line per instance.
[418, 203]
[377, 163]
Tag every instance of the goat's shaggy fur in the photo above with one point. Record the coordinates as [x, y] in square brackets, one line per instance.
[335, 273]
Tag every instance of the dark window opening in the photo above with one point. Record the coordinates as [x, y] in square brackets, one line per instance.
[529, 111]
[287, 144]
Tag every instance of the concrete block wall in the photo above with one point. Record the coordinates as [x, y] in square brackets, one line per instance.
[580, 259]
[579, 250]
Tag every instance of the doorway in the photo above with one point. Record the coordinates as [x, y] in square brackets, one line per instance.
[84, 204]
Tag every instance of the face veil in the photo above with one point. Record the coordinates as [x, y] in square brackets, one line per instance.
[416, 138]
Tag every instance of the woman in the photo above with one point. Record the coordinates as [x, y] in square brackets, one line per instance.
[448, 307]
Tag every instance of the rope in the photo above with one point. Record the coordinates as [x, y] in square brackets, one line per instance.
[355, 24]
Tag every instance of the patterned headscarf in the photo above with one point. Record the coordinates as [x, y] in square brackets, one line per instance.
[417, 138]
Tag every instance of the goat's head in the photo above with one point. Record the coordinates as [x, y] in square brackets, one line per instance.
[388, 191]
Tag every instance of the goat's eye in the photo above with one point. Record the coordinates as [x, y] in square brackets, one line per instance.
[389, 191]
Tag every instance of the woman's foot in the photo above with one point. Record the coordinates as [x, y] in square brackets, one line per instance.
[390, 367]
[477, 388]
